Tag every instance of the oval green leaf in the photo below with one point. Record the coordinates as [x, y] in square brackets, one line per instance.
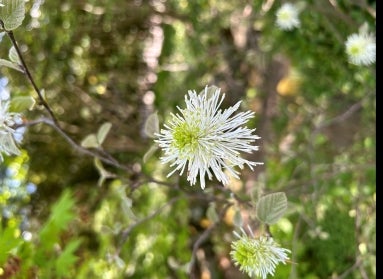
[22, 103]
[237, 219]
[212, 214]
[271, 208]
[10, 64]
[12, 14]
[13, 56]
[103, 132]
[90, 141]
[152, 125]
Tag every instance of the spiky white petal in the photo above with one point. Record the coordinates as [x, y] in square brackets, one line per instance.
[288, 17]
[361, 49]
[7, 120]
[257, 256]
[204, 140]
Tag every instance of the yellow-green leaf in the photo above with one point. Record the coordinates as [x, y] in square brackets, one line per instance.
[103, 132]
[152, 125]
[22, 103]
[90, 141]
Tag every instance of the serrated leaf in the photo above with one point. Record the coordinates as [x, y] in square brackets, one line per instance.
[13, 56]
[150, 153]
[272, 207]
[67, 258]
[103, 132]
[10, 64]
[8, 241]
[152, 125]
[22, 103]
[212, 214]
[90, 141]
[12, 14]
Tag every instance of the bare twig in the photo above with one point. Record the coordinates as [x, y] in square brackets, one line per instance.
[108, 159]
[125, 233]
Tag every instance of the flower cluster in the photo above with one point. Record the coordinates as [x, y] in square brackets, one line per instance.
[287, 17]
[361, 49]
[257, 256]
[204, 140]
[7, 132]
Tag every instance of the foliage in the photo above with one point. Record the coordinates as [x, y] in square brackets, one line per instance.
[88, 197]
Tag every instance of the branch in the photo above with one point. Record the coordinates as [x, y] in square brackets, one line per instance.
[202, 238]
[104, 157]
[28, 73]
[125, 233]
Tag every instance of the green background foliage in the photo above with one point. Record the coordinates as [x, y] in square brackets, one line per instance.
[117, 62]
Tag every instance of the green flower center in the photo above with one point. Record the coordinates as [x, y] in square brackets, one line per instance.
[355, 50]
[186, 136]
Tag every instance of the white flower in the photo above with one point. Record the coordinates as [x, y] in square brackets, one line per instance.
[257, 256]
[203, 139]
[361, 49]
[7, 120]
[287, 17]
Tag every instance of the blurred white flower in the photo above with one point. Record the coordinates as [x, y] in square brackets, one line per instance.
[257, 256]
[7, 121]
[203, 139]
[4, 91]
[361, 49]
[287, 17]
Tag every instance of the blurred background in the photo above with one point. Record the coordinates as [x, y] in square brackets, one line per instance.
[120, 61]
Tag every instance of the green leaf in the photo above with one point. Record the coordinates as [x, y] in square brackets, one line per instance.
[103, 132]
[150, 153]
[237, 219]
[22, 103]
[8, 240]
[212, 214]
[67, 258]
[10, 64]
[104, 174]
[152, 125]
[90, 141]
[13, 56]
[8, 145]
[59, 218]
[272, 207]
[12, 14]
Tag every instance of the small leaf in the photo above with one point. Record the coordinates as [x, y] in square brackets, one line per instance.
[150, 153]
[152, 125]
[212, 214]
[22, 103]
[8, 145]
[103, 132]
[13, 56]
[272, 207]
[104, 174]
[90, 141]
[237, 219]
[9, 64]
[12, 14]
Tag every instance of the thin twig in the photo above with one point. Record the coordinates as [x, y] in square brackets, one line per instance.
[106, 159]
[28, 73]
[125, 233]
